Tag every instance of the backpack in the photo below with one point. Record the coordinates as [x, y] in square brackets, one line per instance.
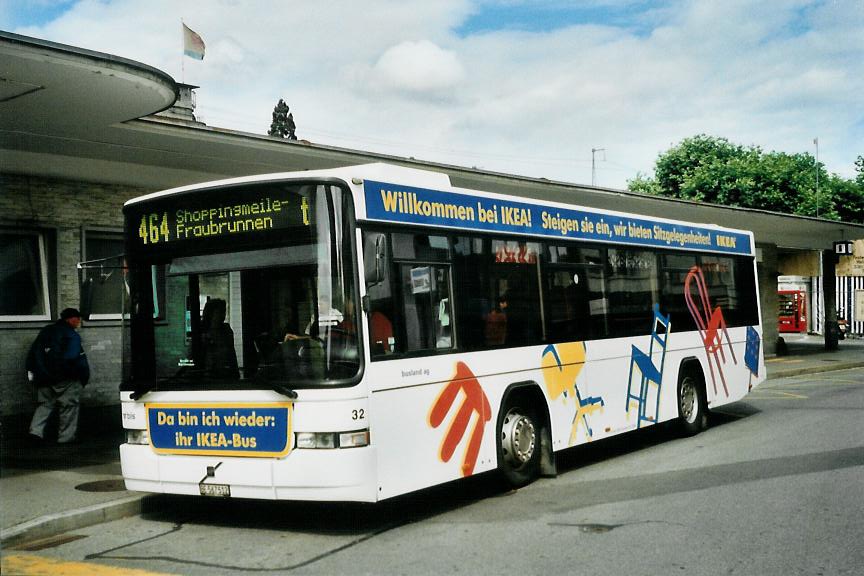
[45, 364]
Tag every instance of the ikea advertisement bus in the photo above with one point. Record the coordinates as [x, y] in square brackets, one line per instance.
[359, 333]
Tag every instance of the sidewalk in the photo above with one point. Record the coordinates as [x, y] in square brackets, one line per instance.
[807, 355]
[51, 489]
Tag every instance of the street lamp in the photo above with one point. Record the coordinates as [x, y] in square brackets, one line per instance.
[816, 142]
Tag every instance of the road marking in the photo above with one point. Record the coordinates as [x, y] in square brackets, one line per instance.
[776, 395]
[30, 565]
[810, 383]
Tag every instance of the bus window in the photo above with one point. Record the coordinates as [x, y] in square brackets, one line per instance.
[423, 247]
[726, 278]
[674, 268]
[514, 276]
[226, 312]
[632, 287]
[499, 296]
[574, 301]
[567, 304]
[382, 307]
[426, 297]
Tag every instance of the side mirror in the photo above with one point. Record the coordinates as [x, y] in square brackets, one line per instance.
[374, 257]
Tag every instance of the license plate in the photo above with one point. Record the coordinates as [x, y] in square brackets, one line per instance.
[222, 490]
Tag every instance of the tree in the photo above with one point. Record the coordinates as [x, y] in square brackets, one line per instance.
[849, 198]
[859, 167]
[710, 169]
[283, 122]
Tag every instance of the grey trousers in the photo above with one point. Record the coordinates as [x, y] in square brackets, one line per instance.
[66, 397]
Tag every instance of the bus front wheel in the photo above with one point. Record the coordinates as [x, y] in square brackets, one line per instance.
[519, 445]
[692, 407]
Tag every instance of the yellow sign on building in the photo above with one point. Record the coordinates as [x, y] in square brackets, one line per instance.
[852, 265]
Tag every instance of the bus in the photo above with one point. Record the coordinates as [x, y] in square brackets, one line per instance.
[359, 333]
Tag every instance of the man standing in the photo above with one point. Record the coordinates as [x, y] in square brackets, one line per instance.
[58, 367]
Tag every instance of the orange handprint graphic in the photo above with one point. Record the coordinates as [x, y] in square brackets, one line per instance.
[475, 401]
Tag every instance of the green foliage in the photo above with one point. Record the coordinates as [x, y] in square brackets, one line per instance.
[710, 169]
[849, 198]
[283, 122]
[644, 184]
[859, 167]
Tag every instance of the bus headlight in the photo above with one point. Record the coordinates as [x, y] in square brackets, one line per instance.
[354, 439]
[137, 437]
[318, 440]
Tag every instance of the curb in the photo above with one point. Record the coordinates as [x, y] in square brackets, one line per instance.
[53, 524]
[787, 373]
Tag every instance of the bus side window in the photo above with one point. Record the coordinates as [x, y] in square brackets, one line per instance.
[426, 294]
[380, 292]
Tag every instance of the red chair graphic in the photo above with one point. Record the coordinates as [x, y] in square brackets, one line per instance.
[710, 323]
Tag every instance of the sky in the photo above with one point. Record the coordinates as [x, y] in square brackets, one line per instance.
[583, 92]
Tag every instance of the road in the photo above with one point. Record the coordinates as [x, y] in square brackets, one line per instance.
[775, 486]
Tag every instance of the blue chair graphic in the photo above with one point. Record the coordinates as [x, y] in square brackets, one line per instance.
[651, 375]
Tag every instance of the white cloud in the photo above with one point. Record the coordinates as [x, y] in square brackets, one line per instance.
[396, 77]
[417, 67]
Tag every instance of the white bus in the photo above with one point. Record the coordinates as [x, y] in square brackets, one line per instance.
[363, 332]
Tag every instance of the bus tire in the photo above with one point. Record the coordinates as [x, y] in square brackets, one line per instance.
[519, 444]
[692, 406]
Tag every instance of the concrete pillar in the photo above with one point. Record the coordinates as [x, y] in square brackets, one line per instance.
[766, 269]
[829, 295]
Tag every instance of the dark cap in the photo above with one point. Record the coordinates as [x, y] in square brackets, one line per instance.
[70, 313]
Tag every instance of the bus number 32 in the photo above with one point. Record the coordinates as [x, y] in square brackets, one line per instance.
[358, 414]
[152, 227]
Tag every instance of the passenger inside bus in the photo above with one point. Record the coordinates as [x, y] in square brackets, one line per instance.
[220, 359]
[290, 330]
[381, 332]
[495, 331]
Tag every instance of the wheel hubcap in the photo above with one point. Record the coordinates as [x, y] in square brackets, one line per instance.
[689, 408]
[518, 438]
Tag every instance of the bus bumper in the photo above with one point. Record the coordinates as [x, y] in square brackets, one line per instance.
[322, 475]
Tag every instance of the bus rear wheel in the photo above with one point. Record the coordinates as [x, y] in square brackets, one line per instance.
[692, 407]
[519, 445]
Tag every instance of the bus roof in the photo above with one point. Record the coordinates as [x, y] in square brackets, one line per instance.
[389, 193]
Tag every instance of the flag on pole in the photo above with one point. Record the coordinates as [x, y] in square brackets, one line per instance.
[193, 45]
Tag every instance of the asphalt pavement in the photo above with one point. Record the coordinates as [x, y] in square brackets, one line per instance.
[48, 489]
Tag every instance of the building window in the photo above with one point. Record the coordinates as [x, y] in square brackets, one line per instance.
[103, 252]
[23, 276]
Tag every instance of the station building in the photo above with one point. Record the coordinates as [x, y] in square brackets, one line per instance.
[81, 132]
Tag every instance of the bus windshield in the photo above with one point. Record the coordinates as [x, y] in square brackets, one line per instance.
[237, 311]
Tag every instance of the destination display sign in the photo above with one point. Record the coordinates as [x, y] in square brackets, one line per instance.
[262, 430]
[407, 204]
[228, 213]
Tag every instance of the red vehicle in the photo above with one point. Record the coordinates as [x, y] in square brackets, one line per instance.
[792, 315]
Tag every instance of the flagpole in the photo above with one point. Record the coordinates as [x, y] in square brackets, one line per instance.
[182, 60]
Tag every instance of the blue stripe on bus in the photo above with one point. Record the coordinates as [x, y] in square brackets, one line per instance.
[410, 205]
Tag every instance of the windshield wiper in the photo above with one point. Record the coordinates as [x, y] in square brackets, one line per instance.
[275, 386]
[285, 391]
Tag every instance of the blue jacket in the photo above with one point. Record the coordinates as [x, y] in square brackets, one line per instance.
[57, 355]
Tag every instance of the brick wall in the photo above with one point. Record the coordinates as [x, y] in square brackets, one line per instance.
[64, 208]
